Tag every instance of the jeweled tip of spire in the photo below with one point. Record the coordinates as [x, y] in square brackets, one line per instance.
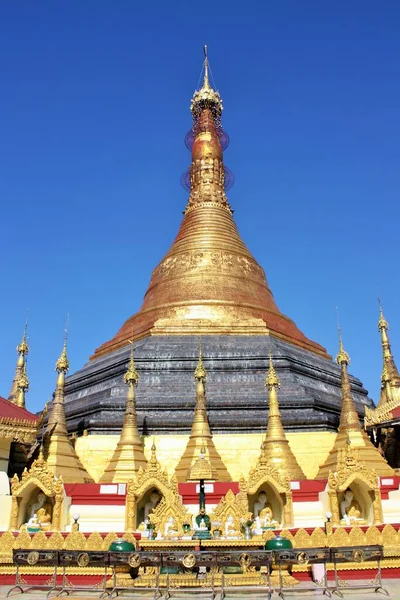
[342, 356]
[23, 347]
[62, 365]
[271, 378]
[200, 371]
[206, 96]
[382, 323]
[131, 376]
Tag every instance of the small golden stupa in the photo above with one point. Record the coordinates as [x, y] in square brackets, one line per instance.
[128, 456]
[60, 454]
[201, 439]
[350, 430]
[275, 449]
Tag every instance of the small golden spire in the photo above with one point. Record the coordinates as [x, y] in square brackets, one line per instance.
[17, 393]
[153, 457]
[275, 448]
[390, 377]
[206, 96]
[272, 378]
[200, 372]
[131, 376]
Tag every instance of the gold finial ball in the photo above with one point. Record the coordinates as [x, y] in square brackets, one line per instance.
[23, 347]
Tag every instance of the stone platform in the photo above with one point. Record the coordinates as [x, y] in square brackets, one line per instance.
[236, 366]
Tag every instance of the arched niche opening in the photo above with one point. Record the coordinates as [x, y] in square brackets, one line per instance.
[147, 503]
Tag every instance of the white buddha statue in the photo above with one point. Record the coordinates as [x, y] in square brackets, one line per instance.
[150, 506]
[170, 529]
[350, 510]
[230, 529]
[263, 510]
[257, 527]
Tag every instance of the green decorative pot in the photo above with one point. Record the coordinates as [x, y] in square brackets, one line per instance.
[278, 543]
[121, 546]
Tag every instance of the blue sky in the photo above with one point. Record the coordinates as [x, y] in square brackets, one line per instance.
[94, 106]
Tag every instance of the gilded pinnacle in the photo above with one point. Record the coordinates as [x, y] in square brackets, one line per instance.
[23, 347]
[272, 378]
[131, 376]
[200, 372]
[342, 356]
[382, 323]
[62, 365]
[206, 96]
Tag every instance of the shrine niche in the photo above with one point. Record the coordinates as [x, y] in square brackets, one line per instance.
[37, 499]
[270, 495]
[353, 491]
[231, 512]
[153, 496]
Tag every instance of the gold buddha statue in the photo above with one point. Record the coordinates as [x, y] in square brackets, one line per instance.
[40, 514]
[263, 510]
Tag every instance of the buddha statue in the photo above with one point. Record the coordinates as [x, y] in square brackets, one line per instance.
[350, 510]
[155, 498]
[263, 510]
[230, 529]
[202, 521]
[40, 513]
[170, 529]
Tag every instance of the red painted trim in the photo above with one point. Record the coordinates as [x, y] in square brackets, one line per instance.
[309, 491]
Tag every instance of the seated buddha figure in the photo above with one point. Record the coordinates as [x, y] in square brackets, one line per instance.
[230, 529]
[350, 510]
[40, 513]
[202, 521]
[155, 498]
[263, 510]
[171, 528]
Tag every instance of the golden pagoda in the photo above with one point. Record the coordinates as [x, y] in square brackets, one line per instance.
[200, 442]
[20, 382]
[350, 430]
[128, 456]
[390, 379]
[208, 282]
[275, 449]
[60, 454]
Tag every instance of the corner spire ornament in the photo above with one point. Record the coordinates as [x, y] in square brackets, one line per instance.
[275, 449]
[15, 396]
[61, 456]
[201, 439]
[128, 456]
[350, 430]
[390, 378]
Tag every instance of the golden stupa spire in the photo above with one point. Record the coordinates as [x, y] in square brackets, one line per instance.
[350, 430]
[390, 378]
[60, 453]
[201, 436]
[17, 393]
[128, 456]
[208, 282]
[275, 449]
